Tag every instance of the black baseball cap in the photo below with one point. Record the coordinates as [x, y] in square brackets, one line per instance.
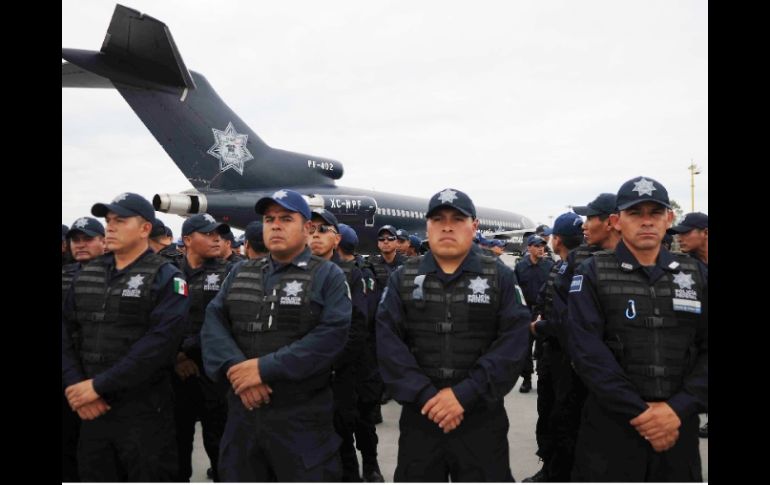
[453, 199]
[692, 220]
[642, 189]
[603, 204]
[389, 228]
[349, 239]
[88, 226]
[328, 217]
[288, 199]
[402, 235]
[203, 223]
[127, 204]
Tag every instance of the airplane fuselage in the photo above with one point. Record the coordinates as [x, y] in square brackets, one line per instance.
[364, 210]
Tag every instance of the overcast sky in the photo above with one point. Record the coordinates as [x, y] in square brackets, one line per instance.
[526, 106]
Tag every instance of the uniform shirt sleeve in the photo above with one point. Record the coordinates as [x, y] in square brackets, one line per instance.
[494, 374]
[398, 367]
[317, 350]
[157, 347]
[693, 397]
[593, 360]
[72, 372]
[218, 347]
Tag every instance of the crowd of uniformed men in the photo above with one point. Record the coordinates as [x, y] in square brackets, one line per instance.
[285, 354]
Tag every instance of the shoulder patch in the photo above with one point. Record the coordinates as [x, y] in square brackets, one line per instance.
[519, 294]
[180, 286]
[577, 284]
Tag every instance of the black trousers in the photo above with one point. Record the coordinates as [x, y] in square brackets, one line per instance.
[546, 397]
[476, 451]
[345, 416]
[70, 432]
[369, 388]
[132, 442]
[198, 399]
[288, 440]
[564, 420]
[609, 449]
[529, 365]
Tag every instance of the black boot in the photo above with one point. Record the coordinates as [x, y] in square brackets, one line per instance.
[350, 471]
[372, 471]
[526, 386]
[703, 432]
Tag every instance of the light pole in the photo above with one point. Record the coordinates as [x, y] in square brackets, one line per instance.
[694, 170]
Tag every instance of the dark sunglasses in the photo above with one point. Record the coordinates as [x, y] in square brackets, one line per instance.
[386, 238]
[322, 229]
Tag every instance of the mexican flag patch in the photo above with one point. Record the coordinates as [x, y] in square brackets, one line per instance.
[180, 286]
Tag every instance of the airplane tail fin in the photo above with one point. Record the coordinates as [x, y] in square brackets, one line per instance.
[209, 143]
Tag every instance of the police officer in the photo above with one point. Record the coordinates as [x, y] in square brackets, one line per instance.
[273, 332]
[532, 273]
[253, 241]
[389, 258]
[451, 339]
[414, 246]
[545, 232]
[197, 398]
[228, 246]
[638, 337]
[323, 241]
[569, 391]
[368, 384]
[402, 242]
[692, 233]
[121, 325]
[693, 237]
[162, 243]
[597, 228]
[86, 240]
[555, 437]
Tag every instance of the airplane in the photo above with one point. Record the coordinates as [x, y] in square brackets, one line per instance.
[228, 164]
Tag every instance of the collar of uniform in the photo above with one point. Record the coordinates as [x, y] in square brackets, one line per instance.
[208, 263]
[300, 261]
[111, 261]
[626, 258]
[471, 263]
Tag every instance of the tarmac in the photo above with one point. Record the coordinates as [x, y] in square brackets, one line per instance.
[522, 414]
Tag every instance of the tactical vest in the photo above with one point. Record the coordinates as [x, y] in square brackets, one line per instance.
[648, 329]
[381, 270]
[235, 257]
[262, 324]
[202, 288]
[347, 268]
[449, 328]
[171, 253]
[112, 315]
[583, 252]
[68, 273]
[550, 289]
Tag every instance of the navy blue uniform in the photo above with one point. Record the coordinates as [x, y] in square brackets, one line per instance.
[133, 441]
[70, 421]
[368, 381]
[344, 374]
[531, 277]
[285, 440]
[478, 449]
[197, 398]
[608, 447]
